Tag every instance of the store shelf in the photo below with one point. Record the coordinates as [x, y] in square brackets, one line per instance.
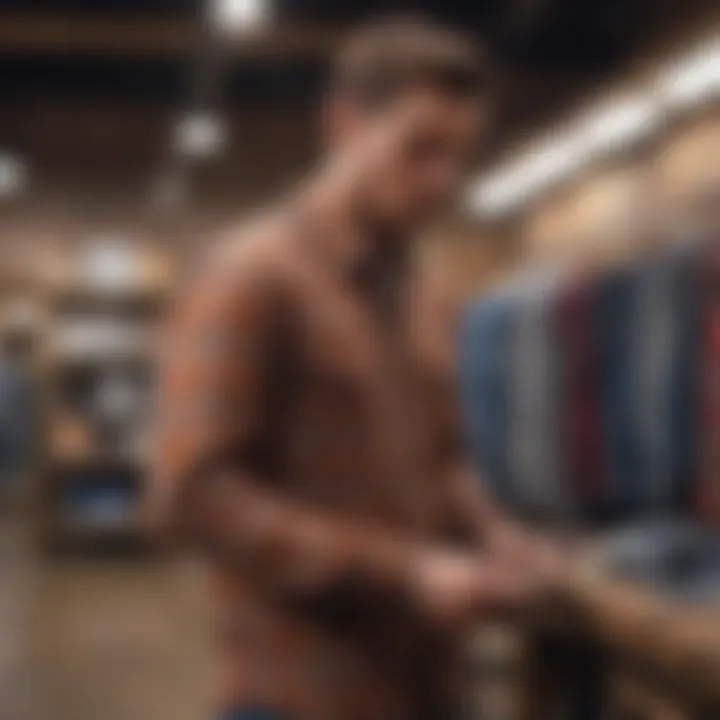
[78, 528]
[132, 301]
[63, 534]
[137, 357]
[99, 354]
[58, 464]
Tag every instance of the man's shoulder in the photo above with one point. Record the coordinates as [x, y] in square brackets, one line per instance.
[255, 254]
[262, 244]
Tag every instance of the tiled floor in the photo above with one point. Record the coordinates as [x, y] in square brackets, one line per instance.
[101, 639]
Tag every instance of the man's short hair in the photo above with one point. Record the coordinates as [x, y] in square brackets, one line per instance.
[391, 57]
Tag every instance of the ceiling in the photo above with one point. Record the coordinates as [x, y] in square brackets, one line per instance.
[533, 36]
[84, 79]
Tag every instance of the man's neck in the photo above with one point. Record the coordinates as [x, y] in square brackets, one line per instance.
[333, 201]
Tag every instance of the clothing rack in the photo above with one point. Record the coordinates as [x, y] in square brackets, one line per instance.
[593, 396]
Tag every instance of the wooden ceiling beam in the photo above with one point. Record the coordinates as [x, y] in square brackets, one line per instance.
[21, 34]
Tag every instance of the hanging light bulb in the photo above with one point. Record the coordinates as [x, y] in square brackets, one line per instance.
[13, 175]
[200, 135]
[232, 16]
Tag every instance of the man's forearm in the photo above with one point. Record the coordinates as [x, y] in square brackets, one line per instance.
[676, 645]
[293, 547]
[301, 552]
[475, 512]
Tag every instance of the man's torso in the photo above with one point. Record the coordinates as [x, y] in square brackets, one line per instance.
[361, 408]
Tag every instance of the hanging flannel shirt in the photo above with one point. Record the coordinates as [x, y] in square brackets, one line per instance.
[662, 393]
[618, 341]
[583, 442]
[483, 385]
[707, 494]
[534, 402]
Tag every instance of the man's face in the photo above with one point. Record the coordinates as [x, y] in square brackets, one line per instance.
[413, 155]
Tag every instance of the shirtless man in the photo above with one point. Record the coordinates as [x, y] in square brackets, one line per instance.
[307, 434]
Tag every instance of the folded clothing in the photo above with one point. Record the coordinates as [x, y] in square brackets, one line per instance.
[680, 559]
[99, 500]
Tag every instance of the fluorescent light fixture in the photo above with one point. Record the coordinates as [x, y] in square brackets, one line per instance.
[499, 193]
[230, 16]
[554, 159]
[489, 201]
[200, 135]
[550, 162]
[618, 123]
[603, 130]
[608, 127]
[13, 175]
[693, 79]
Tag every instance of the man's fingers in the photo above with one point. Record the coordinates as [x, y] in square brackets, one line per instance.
[500, 587]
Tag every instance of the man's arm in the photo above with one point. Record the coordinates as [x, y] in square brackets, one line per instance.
[473, 508]
[210, 487]
[482, 522]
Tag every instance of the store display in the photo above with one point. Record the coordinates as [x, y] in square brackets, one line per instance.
[69, 437]
[19, 421]
[484, 386]
[708, 490]
[533, 397]
[102, 500]
[580, 389]
[583, 466]
[100, 336]
[101, 355]
[679, 559]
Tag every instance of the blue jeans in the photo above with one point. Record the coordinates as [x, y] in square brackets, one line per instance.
[251, 713]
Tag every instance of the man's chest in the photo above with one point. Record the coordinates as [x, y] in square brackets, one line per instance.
[385, 358]
[376, 401]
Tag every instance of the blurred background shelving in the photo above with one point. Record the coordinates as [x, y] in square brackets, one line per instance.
[99, 347]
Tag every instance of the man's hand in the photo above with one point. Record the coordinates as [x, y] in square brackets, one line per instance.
[455, 588]
[543, 561]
